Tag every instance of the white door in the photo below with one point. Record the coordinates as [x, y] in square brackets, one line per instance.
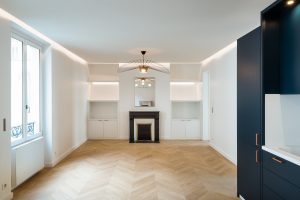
[206, 98]
[192, 128]
[5, 82]
[178, 129]
[95, 129]
[110, 129]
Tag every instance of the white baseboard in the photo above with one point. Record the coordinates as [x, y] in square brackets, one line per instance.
[223, 153]
[242, 198]
[171, 138]
[8, 196]
[64, 155]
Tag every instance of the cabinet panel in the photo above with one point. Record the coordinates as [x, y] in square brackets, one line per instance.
[286, 170]
[269, 194]
[249, 107]
[192, 128]
[283, 188]
[248, 172]
[110, 129]
[178, 129]
[95, 129]
[249, 88]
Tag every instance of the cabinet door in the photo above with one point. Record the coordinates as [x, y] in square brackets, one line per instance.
[178, 129]
[248, 115]
[110, 129]
[192, 129]
[95, 129]
[249, 90]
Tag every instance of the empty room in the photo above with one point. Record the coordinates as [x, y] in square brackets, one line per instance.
[150, 100]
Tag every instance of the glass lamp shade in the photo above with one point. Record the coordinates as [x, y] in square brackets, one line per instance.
[143, 69]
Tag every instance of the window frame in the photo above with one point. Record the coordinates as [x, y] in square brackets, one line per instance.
[25, 42]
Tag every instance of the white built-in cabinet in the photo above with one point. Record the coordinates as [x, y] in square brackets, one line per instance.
[186, 128]
[103, 111]
[186, 110]
[102, 129]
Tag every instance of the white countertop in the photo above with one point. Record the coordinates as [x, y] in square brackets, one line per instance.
[291, 154]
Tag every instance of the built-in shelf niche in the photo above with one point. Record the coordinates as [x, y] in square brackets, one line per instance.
[104, 91]
[103, 110]
[282, 114]
[185, 91]
[186, 110]
[280, 48]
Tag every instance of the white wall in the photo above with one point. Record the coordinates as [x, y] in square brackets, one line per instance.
[185, 72]
[186, 92]
[5, 156]
[104, 72]
[162, 100]
[104, 91]
[223, 99]
[67, 125]
[282, 114]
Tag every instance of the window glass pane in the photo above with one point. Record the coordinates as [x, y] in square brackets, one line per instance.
[33, 91]
[16, 89]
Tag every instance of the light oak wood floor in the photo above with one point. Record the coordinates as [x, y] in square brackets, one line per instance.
[116, 170]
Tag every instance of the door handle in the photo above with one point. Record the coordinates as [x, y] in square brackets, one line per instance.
[27, 108]
[4, 124]
[257, 139]
[277, 160]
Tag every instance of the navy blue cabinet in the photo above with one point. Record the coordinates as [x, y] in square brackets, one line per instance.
[281, 48]
[249, 108]
[280, 177]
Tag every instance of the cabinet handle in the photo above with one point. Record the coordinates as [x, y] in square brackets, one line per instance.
[4, 124]
[257, 139]
[277, 160]
[257, 156]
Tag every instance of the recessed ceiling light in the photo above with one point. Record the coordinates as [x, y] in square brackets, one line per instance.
[290, 2]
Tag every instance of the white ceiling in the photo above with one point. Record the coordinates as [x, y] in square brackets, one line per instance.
[113, 31]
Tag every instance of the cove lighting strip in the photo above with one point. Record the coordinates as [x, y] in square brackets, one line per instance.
[54, 44]
[219, 54]
[105, 83]
[182, 83]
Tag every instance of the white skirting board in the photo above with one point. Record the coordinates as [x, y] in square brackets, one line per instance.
[27, 160]
[223, 153]
[9, 196]
[242, 198]
[64, 155]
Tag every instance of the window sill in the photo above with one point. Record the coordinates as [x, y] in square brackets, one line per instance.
[24, 143]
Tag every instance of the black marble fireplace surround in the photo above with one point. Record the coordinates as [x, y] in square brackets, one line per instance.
[143, 115]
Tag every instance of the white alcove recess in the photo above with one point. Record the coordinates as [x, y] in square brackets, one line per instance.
[103, 110]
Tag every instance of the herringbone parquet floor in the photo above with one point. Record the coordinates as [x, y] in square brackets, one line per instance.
[117, 170]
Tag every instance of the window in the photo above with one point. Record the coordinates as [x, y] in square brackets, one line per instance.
[25, 91]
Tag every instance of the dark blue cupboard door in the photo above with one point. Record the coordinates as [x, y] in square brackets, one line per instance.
[249, 88]
[249, 115]
[248, 173]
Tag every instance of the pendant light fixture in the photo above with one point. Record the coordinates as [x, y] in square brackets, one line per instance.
[143, 65]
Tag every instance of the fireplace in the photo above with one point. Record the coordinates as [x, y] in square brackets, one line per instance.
[144, 132]
[144, 126]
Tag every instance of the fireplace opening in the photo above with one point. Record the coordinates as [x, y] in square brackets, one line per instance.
[144, 132]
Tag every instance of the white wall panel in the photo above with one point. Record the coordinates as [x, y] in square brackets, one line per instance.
[5, 155]
[223, 102]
